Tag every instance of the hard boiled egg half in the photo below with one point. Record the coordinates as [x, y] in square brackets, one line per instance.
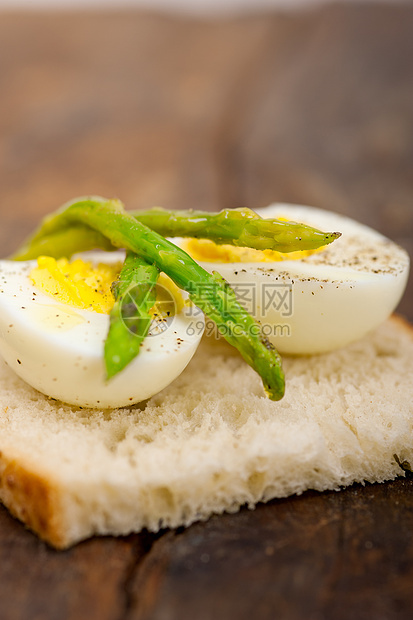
[316, 301]
[57, 347]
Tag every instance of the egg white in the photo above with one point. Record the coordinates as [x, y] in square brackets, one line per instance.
[58, 349]
[329, 299]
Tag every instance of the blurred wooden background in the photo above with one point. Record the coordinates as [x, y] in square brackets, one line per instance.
[313, 107]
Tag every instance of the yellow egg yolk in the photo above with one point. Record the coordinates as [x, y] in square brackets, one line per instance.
[76, 283]
[208, 251]
[169, 300]
[83, 285]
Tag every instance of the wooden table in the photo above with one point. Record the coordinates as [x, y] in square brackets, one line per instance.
[310, 107]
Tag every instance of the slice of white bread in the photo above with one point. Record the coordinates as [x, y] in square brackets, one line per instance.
[208, 443]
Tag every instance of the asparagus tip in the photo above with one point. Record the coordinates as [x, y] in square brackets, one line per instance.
[330, 237]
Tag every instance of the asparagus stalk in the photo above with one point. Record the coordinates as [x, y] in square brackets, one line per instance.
[135, 294]
[239, 227]
[63, 242]
[208, 291]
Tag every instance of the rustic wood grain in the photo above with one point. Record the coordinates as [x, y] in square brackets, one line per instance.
[324, 555]
[87, 581]
[117, 105]
[312, 107]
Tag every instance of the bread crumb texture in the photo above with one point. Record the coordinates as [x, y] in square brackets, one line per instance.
[210, 442]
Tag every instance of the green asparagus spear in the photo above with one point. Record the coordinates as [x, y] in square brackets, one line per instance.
[239, 227]
[64, 242]
[209, 292]
[135, 294]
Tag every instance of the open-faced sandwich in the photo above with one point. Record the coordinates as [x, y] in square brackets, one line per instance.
[114, 416]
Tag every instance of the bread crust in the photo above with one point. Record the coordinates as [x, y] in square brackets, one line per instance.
[33, 499]
[402, 323]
